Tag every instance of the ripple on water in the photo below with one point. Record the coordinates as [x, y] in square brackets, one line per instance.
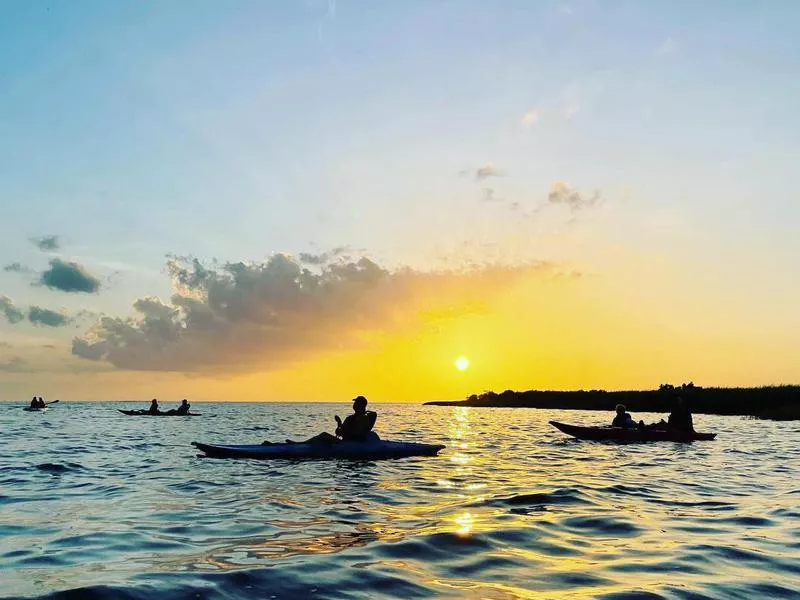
[529, 513]
[59, 467]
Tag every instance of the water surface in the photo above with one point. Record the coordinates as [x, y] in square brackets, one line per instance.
[111, 506]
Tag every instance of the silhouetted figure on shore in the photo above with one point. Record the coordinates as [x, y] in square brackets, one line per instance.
[153, 410]
[355, 428]
[623, 419]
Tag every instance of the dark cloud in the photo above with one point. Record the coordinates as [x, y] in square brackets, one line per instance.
[235, 316]
[323, 257]
[11, 312]
[47, 243]
[69, 277]
[15, 364]
[563, 193]
[47, 317]
[36, 314]
[16, 267]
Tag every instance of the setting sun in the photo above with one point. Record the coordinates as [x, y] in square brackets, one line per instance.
[462, 362]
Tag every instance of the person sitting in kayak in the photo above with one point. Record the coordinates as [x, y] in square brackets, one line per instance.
[153, 410]
[681, 417]
[623, 419]
[34, 402]
[355, 428]
[183, 409]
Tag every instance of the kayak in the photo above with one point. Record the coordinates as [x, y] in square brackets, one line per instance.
[29, 409]
[631, 435]
[350, 450]
[144, 413]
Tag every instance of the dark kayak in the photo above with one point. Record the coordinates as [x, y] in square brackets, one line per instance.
[37, 409]
[631, 435]
[145, 413]
[350, 450]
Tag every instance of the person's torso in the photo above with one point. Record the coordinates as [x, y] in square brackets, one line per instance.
[357, 426]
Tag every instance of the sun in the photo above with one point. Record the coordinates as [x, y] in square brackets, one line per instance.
[462, 362]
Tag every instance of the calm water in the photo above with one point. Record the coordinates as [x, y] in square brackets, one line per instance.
[121, 507]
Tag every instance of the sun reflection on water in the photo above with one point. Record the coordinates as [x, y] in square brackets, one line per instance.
[465, 522]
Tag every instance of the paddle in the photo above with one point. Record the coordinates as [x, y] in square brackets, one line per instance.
[51, 402]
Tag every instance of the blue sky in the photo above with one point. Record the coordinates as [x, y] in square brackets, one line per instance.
[233, 130]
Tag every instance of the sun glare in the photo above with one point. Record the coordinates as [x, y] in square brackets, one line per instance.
[462, 362]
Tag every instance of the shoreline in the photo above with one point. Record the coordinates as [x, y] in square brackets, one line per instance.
[779, 402]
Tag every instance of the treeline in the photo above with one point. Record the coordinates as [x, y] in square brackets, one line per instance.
[772, 402]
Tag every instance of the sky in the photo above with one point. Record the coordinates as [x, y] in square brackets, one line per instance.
[310, 200]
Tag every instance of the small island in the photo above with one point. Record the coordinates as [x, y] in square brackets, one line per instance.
[780, 402]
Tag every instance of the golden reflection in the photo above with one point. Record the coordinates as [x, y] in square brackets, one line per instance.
[459, 425]
[460, 459]
[465, 522]
[459, 430]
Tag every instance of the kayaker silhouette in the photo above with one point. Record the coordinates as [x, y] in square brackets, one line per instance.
[355, 428]
[623, 419]
[681, 417]
[183, 408]
[153, 410]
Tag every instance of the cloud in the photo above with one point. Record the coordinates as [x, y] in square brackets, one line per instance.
[530, 117]
[487, 170]
[15, 364]
[47, 317]
[36, 314]
[69, 277]
[323, 257]
[16, 267]
[262, 315]
[563, 193]
[11, 312]
[46, 243]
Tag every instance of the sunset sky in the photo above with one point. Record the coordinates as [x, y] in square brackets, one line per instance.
[316, 199]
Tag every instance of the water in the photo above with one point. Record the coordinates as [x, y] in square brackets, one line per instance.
[120, 507]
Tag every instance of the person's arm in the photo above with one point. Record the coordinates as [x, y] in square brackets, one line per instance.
[372, 416]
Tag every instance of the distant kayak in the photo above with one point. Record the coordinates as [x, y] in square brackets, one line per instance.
[349, 450]
[37, 409]
[631, 435]
[145, 413]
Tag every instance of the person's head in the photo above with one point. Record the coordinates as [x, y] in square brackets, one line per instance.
[621, 409]
[154, 401]
[183, 401]
[359, 404]
[680, 402]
